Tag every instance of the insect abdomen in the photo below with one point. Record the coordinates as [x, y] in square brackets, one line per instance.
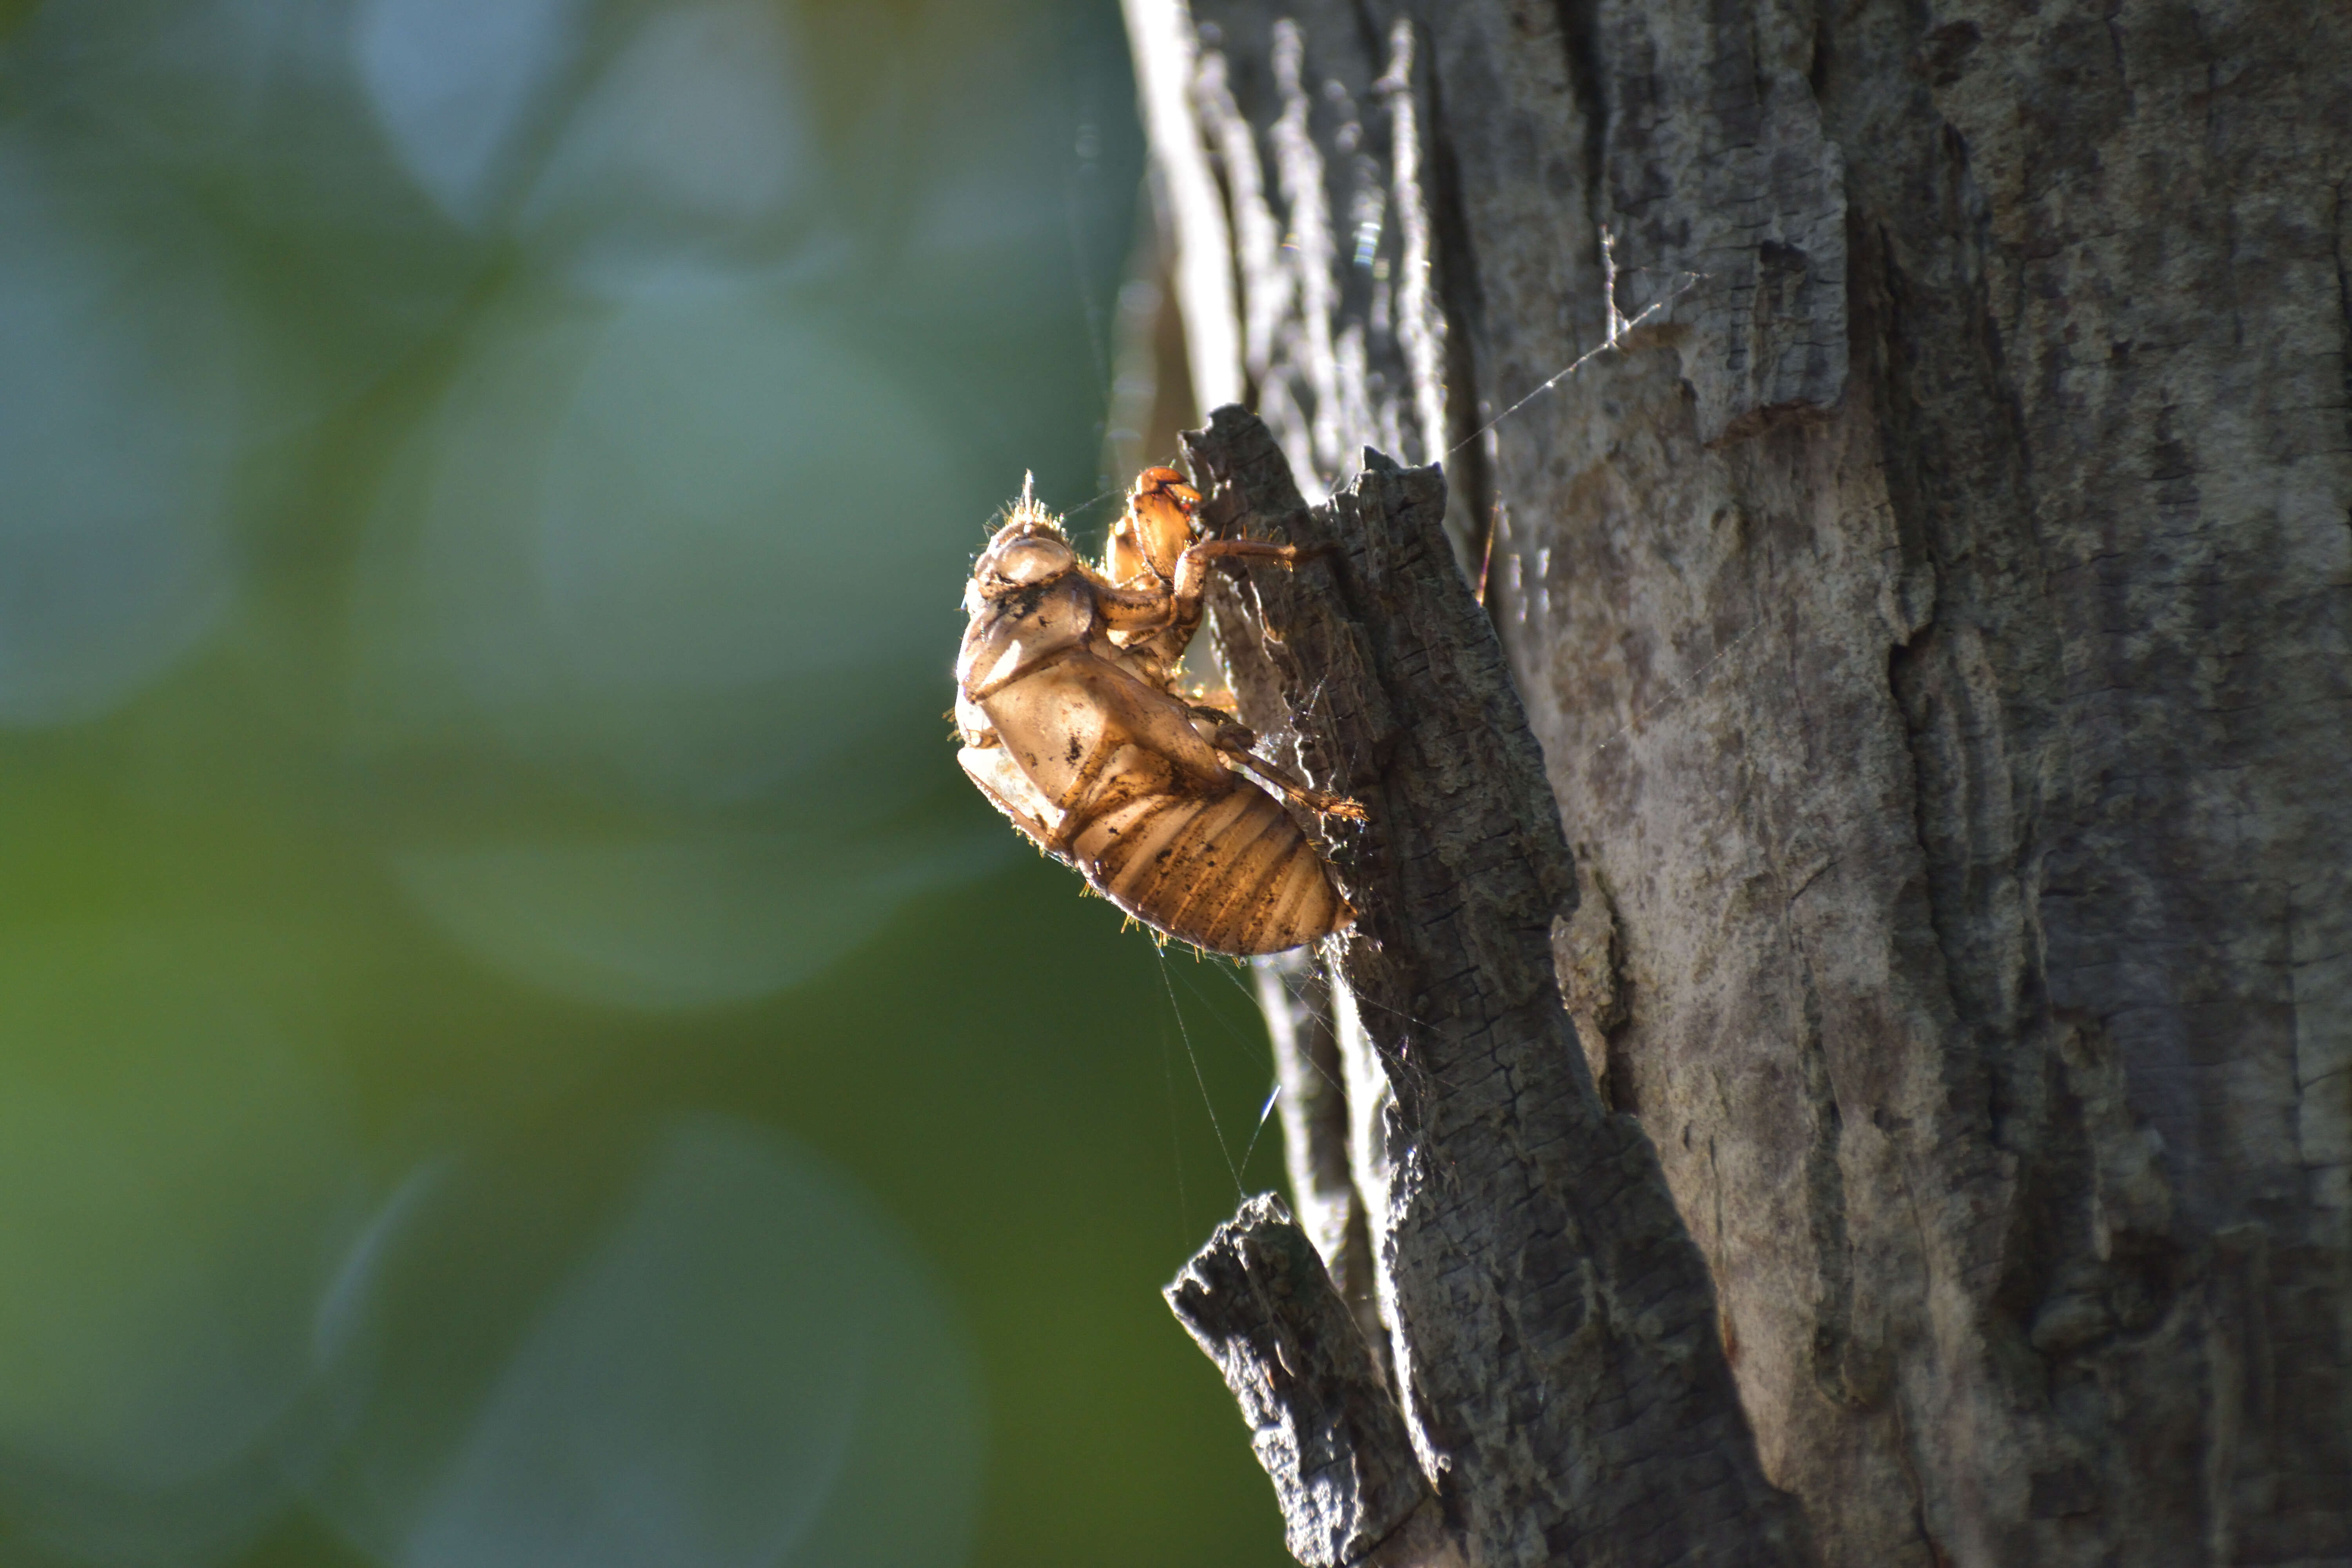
[1229, 872]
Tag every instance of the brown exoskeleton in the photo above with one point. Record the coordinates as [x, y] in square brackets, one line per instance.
[1071, 723]
[1146, 550]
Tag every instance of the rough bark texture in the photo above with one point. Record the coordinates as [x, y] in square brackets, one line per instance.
[1936, 631]
[1261, 1305]
[1295, 993]
[1551, 1329]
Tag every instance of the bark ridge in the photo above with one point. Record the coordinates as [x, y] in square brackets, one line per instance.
[1258, 1300]
[1938, 634]
[1551, 1327]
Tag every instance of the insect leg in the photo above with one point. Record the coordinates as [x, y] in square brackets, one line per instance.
[1138, 608]
[1238, 744]
[1288, 555]
[1193, 566]
[1293, 790]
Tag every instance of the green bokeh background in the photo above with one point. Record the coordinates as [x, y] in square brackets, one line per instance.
[517, 1043]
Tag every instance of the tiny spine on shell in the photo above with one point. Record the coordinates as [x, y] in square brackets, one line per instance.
[1072, 728]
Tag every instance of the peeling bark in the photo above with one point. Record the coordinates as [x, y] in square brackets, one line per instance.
[1938, 628]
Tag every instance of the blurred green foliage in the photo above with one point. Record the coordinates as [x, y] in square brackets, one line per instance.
[517, 1043]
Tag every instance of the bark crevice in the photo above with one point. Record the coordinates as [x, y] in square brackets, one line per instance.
[1936, 634]
[1552, 1333]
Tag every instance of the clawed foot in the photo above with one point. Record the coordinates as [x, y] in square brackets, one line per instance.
[1336, 805]
[1298, 794]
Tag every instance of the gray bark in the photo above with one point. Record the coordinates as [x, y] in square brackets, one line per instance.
[1551, 1327]
[1261, 1303]
[1934, 622]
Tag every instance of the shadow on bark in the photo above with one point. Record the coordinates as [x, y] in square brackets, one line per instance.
[1551, 1329]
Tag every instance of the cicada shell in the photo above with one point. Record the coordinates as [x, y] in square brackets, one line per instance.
[1145, 550]
[1072, 726]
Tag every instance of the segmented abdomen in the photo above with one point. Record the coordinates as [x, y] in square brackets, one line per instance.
[1230, 873]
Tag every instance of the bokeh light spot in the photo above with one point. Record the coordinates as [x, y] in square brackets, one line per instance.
[117, 376]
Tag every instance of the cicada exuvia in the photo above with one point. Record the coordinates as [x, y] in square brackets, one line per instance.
[1072, 724]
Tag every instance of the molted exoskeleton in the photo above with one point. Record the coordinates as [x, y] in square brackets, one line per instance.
[1071, 725]
[1146, 550]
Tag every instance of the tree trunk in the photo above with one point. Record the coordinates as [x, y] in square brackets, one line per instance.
[1933, 615]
